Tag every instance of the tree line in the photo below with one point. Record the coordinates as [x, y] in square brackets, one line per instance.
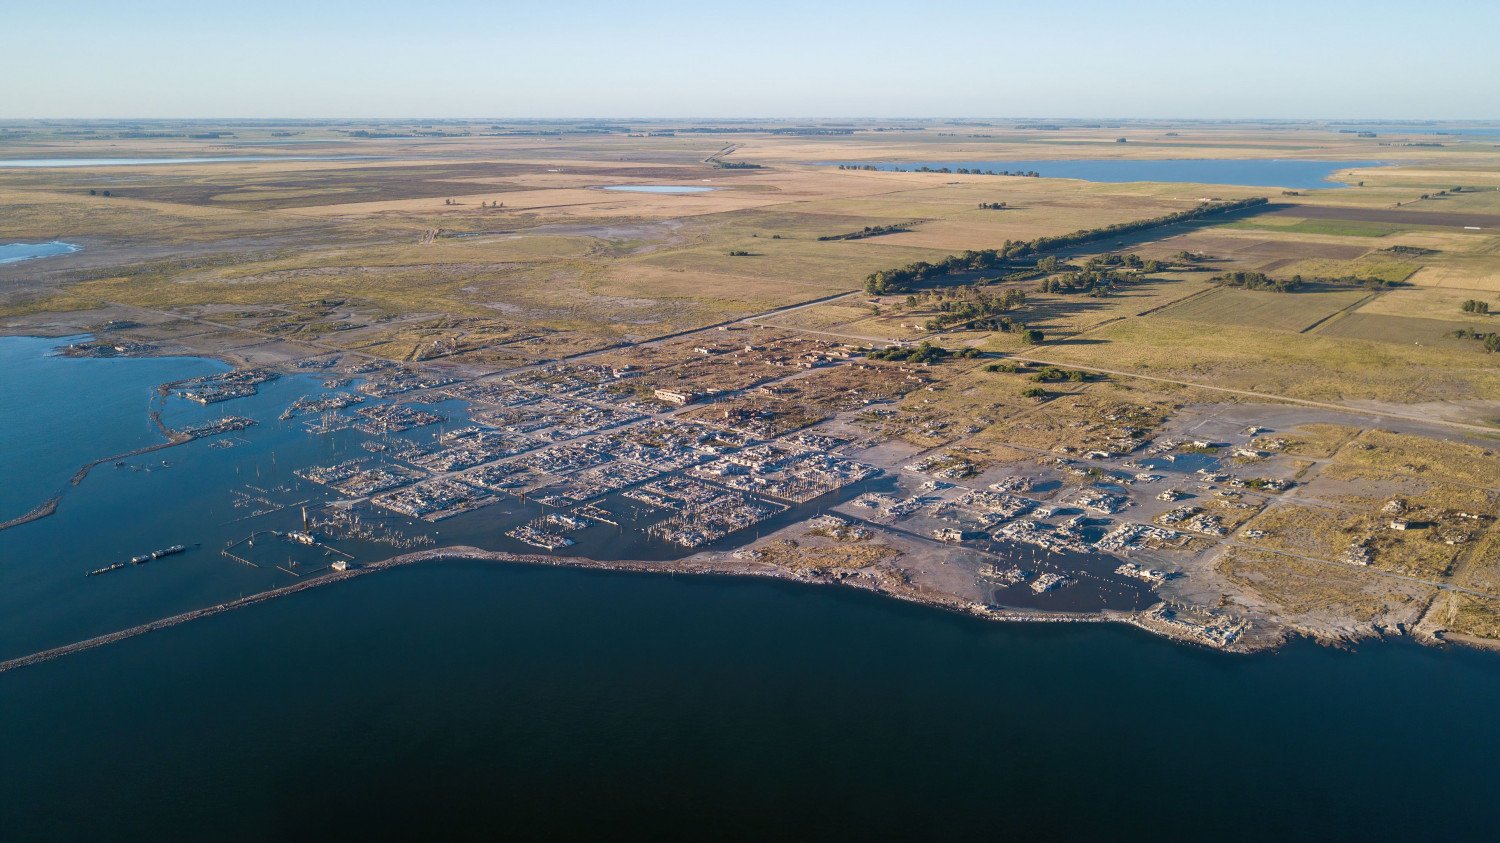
[1261, 281]
[868, 231]
[924, 352]
[952, 171]
[901, 279]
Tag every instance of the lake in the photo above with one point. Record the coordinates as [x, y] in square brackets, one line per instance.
[123, 162]
[44, 437]
[17, 252]
[657, 188]
[1250, 172]
[536, 701]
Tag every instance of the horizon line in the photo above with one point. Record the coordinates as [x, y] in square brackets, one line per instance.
[757, 118]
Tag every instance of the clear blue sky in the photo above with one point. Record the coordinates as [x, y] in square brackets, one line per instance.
[662, 58]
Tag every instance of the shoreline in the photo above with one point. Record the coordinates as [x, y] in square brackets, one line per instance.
[687, 565]
[714, 563]
[1171, 620]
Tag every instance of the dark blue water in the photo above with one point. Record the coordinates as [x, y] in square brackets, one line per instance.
[57, 413]
[467, 700]
[17, 252]
[1268, 172]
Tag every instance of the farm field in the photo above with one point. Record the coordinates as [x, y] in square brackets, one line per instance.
[1428, 303]
[1304, 366]
[516, 229]
[1295, 312]
[1405, 330]
[1337, 228]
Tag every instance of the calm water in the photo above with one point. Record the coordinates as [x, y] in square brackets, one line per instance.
[121, 162]
[45, 437]
[526, 700]
[1270, 172]
[487, 700]
[658, 188]
[58, 413]
[17, 252]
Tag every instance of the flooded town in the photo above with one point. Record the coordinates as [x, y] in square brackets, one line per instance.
[733, 445]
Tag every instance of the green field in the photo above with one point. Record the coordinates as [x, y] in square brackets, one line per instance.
[1374, 265]
[1340, 228]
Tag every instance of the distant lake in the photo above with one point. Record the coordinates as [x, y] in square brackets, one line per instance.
[17, 252]
[1250, 172]
[658, 188]
[124, 162]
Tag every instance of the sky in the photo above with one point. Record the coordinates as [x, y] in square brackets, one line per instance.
[1334, 59]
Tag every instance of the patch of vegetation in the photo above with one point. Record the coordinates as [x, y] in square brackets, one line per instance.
[924, 352]
[1382, 265]
[1489, 339]
[1261, 281]
[1468, 614]
[1299, 586]
[1337, 228]
[1257, 281]
[971, 307]
[1309, 440]
[960, 171]
[820, 558]
[868, 231]
[1432, 458]
[1053, 374]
